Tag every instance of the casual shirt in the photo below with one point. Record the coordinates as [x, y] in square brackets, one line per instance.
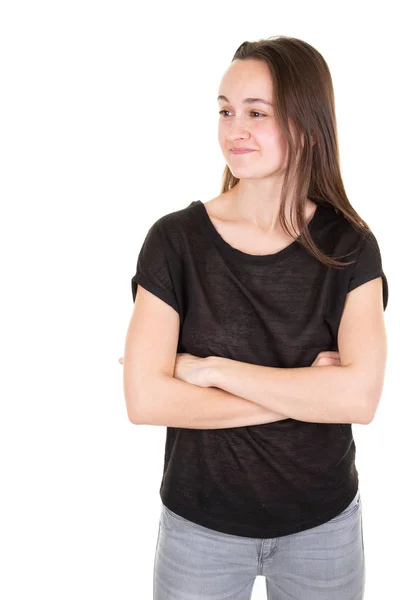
[276, 310]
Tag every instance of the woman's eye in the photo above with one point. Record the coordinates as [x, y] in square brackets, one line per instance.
[254, 112]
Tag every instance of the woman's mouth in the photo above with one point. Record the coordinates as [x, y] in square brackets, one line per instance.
[241, 151]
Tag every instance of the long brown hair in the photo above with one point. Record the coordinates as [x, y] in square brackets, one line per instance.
[303, 93]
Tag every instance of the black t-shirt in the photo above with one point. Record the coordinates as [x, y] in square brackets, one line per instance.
[277, 310]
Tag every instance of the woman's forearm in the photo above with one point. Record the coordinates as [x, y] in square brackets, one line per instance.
[174, 403]
[329, 394]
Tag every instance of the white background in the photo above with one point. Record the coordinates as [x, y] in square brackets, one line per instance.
[109, 121]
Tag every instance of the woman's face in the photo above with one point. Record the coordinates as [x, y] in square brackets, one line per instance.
[250, 124]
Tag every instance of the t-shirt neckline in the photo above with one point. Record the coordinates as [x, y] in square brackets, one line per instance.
[225, 247]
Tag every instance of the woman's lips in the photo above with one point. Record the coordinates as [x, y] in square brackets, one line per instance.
[241, 151]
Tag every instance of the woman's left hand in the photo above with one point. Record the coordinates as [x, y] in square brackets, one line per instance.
[190, 368]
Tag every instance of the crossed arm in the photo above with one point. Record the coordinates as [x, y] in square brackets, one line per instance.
[237, 394]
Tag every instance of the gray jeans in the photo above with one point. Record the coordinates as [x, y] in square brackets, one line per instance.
[326, 562]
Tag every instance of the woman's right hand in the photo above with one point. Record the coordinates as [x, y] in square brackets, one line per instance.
[327, 359]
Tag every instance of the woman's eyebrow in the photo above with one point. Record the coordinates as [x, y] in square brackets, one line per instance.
[247, 100]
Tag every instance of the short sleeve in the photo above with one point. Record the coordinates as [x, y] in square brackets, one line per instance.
[368, 266]
[158, 268]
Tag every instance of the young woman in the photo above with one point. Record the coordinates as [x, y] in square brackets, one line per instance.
[236, 299]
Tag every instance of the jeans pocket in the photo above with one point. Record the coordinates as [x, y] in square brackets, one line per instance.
[168, 517]
[351, 509]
